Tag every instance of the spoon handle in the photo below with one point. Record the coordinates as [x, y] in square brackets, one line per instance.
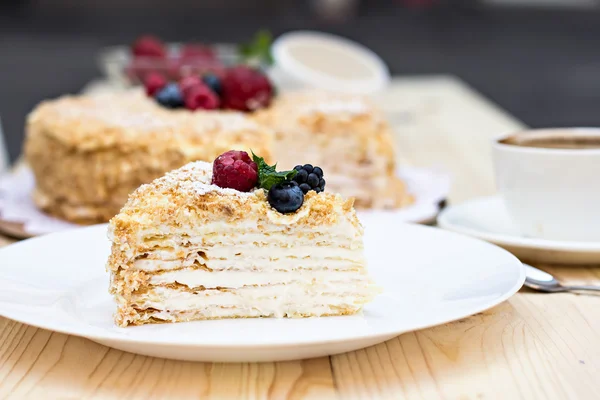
[582, 287]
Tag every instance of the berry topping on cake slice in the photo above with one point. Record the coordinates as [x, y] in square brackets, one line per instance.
[234, 169]
[190, 246]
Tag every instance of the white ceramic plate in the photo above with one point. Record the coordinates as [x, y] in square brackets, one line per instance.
[20, 217]
[486, 218]
[429, 277]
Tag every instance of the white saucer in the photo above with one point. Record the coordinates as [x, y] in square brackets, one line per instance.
[429, 277]
[19, 216]
[486, 218]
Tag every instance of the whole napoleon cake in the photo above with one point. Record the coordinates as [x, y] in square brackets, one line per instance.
[89, 152]
[345, 134]
[236, 239]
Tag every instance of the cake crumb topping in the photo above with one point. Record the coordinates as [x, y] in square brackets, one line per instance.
[194, 179]
[129, 118]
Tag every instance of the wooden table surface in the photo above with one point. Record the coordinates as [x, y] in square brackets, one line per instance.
[534, 346]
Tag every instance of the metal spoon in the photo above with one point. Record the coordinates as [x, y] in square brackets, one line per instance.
[544, 282]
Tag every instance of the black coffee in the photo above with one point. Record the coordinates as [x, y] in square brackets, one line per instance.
[554, 140]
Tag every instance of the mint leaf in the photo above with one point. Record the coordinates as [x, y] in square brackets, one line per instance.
[268, 175]
[274, 178]
[262, 164]
[258, 51]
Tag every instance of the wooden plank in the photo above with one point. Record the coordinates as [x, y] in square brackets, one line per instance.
[5, 240]
[35, 363]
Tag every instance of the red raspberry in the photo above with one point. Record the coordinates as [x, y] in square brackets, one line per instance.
[200, 96]
[235, 170]
[139, 68]
[153, 82]
[174, 68]
[197, 50]
[245, 89]
[188, 82]
[148, 46]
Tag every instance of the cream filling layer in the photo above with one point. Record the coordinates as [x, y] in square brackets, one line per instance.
[220, 312]
[257, 259]
[226, 251]
[235, 279]
[277, 300]
[254, 235]
[245, 233]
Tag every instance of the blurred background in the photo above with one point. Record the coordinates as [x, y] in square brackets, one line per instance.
[538, 59]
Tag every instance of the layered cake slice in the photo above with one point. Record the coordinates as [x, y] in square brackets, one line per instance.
[347, 135]
[242, 241]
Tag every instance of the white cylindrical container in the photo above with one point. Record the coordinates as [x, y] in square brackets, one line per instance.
[318, 60]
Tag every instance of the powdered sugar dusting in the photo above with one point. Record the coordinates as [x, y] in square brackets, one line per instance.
[233, 121]
[132, 109]
[195, 178]
[353, 106]
[119, 117]
[128, 109]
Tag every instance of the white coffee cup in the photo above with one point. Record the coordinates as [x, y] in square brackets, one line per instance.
[551, 191]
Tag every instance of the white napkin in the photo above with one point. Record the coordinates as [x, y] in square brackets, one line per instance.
[17, 206]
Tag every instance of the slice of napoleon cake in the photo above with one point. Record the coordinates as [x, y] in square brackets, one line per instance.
[236, 239]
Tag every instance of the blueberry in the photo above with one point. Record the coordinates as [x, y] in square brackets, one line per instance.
[301, 176]
[170, 96]
[309, 178]
[313, 180]
[213, 82]
[305, 187]
[285, 197]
